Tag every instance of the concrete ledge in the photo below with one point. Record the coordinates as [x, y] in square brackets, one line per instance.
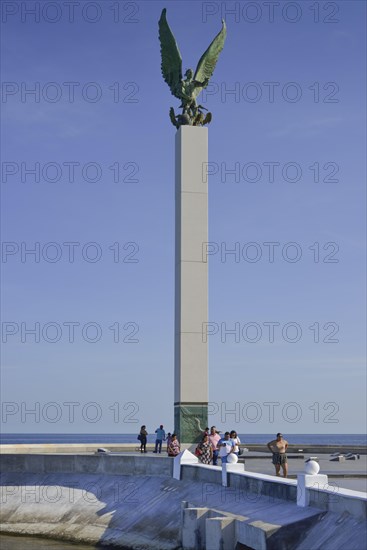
[220, 533]
[255, 534]
[339, 501]
[201, 473]
[132, 447]
[262, 484]
[288, 534]
[276, 488]
[70, 448]
[193, 528]
[306, 448]
[86, 464]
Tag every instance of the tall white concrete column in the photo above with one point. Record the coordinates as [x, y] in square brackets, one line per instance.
[191, 283]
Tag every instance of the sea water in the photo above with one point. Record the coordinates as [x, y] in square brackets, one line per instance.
[13, 542]
[35, 543]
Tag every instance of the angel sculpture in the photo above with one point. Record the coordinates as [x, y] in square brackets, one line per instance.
[189, 88]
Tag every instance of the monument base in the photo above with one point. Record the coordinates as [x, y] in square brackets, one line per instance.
[191, 419]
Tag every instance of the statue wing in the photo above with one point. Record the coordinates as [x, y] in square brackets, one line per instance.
[208, 60]
[171, 58]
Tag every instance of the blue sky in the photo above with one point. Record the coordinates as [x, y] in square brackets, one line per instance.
[297, 107]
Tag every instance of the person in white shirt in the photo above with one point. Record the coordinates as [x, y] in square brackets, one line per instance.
[226, 447]
[236, 440]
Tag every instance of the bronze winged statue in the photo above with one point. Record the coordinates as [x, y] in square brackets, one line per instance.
[187, 89]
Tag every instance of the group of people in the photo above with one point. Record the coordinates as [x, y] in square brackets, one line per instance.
[212, 446]
[173, 445]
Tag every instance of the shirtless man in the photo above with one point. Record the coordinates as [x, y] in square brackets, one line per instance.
[279, 449]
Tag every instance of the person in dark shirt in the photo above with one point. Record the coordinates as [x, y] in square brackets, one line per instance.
[143, 439]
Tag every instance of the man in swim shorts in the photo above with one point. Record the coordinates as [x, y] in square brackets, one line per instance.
[279, 447]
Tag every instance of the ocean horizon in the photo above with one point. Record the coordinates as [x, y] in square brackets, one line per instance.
[294, 439]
